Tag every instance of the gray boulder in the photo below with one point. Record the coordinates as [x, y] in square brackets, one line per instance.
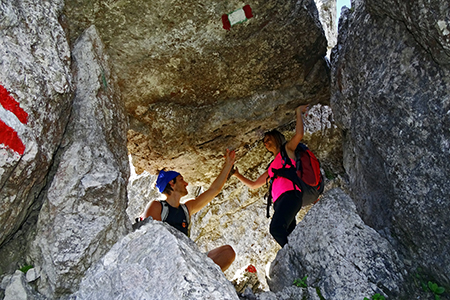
[141, 190]
[35, 72]
[17, 288]
[391, 97]
[83, 213]
[342, 257]
[427, 21]
[155, 262]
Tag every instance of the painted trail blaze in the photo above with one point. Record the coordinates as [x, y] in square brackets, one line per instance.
[8, 136]
[236, 17]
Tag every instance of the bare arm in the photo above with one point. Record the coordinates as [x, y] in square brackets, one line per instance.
[250, 183]
[204, 198]
[153, 210]
[298, 136]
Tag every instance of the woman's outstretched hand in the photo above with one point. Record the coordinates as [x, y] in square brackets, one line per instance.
[236, 171]
[230, 157]
[302, 108]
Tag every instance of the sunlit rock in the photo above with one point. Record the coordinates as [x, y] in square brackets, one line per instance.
[83, 213]
[427, 21]
[36, 92]
[155, 262]
[327, 14]
[17, 288]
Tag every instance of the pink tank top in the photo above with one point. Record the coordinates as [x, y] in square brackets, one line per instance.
[280, 184]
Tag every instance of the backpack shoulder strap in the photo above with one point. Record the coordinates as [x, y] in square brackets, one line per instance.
[186, 212]
[164, 210]
[285, 156]
[300, 147]
[188, 218]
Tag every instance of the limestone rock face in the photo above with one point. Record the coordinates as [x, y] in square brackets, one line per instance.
[391, 97]
[427, 21]
[192, 88]
[17, 288]
[83, 213]
[155, 262]
[35, 97]
[141, 190]
[328, 19]
[336, 250]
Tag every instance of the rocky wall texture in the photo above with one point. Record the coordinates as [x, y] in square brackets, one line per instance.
[141, 190]
[155, 262]
[83, 213]
[17, 288]
[341, 256]
[327, 15]
[391, 98]
[35, 98]
[427, 21]
[192, 88]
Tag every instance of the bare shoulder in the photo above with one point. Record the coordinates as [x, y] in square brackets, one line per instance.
[154, 210]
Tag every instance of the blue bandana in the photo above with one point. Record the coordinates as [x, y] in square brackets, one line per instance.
[164, 178]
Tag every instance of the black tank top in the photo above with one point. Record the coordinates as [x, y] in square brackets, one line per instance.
[177, 218]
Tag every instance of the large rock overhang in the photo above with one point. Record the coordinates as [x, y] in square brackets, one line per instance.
[192, 88]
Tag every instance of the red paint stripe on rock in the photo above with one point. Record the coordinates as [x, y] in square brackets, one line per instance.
[248, 11]
[10, 139]
[12, 105]
[226, 22]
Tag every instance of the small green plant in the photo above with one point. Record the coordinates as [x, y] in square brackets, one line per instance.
[329, 174]
[377, 296]
[301, 282]
[319, 293]
[105, 83]
[427, 285]
[25, 268]
[436, 290]
[422, 282]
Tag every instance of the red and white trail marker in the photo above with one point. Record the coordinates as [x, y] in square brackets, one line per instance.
[236, 17]
[11, 115]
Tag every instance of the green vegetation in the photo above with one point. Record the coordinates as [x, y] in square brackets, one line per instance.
[301, 282]
[25, 268]
[329, 175]
[421, 280]
[319, 293]
[377, 296]
[105, 83]
[428, 285]
[436, 290]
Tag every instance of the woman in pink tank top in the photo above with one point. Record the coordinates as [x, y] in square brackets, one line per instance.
[286, 197]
